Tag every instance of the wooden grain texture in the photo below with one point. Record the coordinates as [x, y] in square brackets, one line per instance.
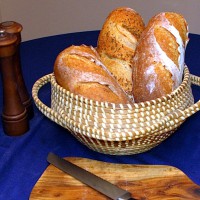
[143, 181]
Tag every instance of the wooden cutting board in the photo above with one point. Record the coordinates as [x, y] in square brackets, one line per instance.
[150, 182]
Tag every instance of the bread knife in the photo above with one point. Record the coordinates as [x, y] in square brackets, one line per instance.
[110, 190]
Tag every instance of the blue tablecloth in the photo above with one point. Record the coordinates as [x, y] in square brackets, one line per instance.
[23, 158]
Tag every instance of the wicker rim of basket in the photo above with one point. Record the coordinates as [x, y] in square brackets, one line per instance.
[80, 110]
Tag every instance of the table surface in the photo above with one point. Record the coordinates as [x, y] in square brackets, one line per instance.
[23, 158]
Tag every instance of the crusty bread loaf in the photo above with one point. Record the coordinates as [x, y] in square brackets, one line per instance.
[79, 70]
[159, 59]
[117, 42]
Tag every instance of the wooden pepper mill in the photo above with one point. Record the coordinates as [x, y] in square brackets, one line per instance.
[14, 114]
[16, 28]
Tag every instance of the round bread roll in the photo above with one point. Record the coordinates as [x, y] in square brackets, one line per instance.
[158, 63]
[80, 70]
[117, 42]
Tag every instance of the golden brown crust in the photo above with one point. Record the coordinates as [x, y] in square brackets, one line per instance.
[79, 70]
[171, 50]
[159, 59]
[179, 22]
[117, 42]
[120, 33]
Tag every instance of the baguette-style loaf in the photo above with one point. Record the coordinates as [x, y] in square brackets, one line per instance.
[79, 70]
[158, 63]
[117, 42]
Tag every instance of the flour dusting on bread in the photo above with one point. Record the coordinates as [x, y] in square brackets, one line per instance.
[158, 63]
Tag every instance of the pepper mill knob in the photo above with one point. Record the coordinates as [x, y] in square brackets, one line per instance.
[14, 115]
[16, 28]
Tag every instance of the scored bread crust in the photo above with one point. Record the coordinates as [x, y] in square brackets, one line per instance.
[117, 42]
[79, 70]
[158, 63]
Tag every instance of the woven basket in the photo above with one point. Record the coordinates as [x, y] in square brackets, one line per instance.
[119, 129]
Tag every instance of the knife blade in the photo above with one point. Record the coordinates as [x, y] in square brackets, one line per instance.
[110, 190]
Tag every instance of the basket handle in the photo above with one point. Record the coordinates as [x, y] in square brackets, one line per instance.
[47, 111]
[195, 80]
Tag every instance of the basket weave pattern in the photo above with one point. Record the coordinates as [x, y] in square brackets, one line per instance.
[119, 129]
